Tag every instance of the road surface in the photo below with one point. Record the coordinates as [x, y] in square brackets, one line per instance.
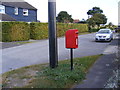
[38, 53]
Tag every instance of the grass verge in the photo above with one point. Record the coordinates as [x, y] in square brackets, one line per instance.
[22, 42]
[41, 76]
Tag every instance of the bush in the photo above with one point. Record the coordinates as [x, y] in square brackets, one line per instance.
[94, 30]
[15, 31]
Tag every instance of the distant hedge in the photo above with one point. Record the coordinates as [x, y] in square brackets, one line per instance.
[20, 31]
[15, 31]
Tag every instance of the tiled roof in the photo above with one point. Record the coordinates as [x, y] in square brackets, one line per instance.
[5, 17]
[19, 4]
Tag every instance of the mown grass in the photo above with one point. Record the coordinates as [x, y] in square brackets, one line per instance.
[41, 76]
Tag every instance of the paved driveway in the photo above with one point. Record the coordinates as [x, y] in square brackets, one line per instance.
[36, 53]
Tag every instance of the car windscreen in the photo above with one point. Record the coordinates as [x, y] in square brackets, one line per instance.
[104, 31]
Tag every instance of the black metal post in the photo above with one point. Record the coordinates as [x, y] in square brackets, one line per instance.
[71, 53]
[53, 53]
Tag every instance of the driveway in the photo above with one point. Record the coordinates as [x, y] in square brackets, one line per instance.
[38, 53]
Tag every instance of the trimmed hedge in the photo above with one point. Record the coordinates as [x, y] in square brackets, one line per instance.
[15, 31]
[0, 31]
[40, 30]
[62, 28]
[94, 30]
[20, 31]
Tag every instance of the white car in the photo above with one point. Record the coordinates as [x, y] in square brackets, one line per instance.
[104, 35]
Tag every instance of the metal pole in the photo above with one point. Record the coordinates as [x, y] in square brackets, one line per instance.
[71, 53]
[53, 53]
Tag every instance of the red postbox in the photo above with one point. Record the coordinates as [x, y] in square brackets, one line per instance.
[71, 38]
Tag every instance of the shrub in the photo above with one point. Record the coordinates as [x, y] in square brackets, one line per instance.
[15, 31]
[94, 30]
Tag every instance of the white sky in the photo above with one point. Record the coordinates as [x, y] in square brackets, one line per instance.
[78, 8]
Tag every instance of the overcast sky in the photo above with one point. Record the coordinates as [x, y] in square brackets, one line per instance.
[78, 8]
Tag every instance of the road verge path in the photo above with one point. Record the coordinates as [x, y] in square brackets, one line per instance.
[103, 68]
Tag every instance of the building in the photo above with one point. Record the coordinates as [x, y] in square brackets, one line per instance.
[76, 20]
[17, 11]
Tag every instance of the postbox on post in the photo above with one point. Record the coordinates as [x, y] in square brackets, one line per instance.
[71, 40]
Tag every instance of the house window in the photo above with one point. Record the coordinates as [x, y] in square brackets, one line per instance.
[25, 12]
[16, 11]
[2, 9]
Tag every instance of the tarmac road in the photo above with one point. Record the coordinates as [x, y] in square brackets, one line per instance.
[38, 53]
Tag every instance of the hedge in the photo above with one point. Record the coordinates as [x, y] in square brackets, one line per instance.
[20, 31]
[62, 28]
[15, 31]
[40, 30]
[0, 31]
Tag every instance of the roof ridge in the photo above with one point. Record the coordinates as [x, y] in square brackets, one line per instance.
[24, 4]
[12, 1]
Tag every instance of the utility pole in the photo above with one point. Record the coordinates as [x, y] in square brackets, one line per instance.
[53, 53]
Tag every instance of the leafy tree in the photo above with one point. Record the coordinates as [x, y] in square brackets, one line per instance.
[94, 10]
[110, 24]
[91, 21]
[97, 19]
[64, 17]
[83, 21]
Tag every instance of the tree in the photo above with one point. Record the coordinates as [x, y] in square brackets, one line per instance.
[64, 17]
[94, 10]
[97, 19]
[110, 24]
[91, 21]
[83, 21]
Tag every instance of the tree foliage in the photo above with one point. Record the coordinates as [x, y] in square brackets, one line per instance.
[94, 10]
[83, 21]
[110, 24]
[97, 19]
[64, 17]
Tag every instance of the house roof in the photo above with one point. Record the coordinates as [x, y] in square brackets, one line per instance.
[5, 17]
[76, 20]
[20, 4]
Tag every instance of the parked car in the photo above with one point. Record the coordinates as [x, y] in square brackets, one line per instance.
[104, 35]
